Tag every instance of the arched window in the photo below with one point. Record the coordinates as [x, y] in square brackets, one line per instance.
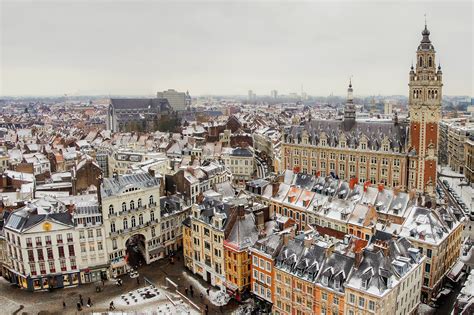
[430, 62]
[153, 232]
[124, 206]
[125, 223]
[139, 202]
[140, 219]
[150, 200]
[111, 209]
[132, 204]
[133, 221]
[112, 226]
[421, 61]
[152, 216]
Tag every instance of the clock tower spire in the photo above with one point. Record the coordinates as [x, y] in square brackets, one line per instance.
[425, 94]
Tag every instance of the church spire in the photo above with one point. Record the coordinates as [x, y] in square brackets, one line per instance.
[349, 109]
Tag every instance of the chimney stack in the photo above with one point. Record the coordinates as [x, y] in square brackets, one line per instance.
[275, 187]
[358, 259]
[241, 211]
[259, 220]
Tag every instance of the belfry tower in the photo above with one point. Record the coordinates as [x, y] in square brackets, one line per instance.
[425, 93]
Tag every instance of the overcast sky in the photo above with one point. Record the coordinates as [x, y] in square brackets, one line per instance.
[138, 48]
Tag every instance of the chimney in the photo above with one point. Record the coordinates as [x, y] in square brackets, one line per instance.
[151, 172]
[275, 187]
[241, 211]
[308, 241]
[286, 238]
[259, 220]
[330, 250]
[383, 246]
[358, 259]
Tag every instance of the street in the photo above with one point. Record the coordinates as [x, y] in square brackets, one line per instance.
[18, 301]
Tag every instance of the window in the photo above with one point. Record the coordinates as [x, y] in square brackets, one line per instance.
[140, 219]
[114, 244]
[61, 251]
[255, 261]
[98, 233]
[49, 252]
[100, 246]
[90, 233]
[427, 267]
[139, 202]
[62, 263]
[152, 215]
[125, 223]
[124, 206]
[150, 199]
[48, 240]
[428, 253]
[132, 204]
[112, 227]
[73, 263]
[372, 305]
[59, 238]
[324, 296]
[31, 256]
[336, 300]
[153, 232]
[69, 237]
[134, 223]
[40, 254]
[361, 302]
[111, 209]
[351, 298]
[71, 250]
[38, 241]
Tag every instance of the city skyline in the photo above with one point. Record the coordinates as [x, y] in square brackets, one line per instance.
[227, 49]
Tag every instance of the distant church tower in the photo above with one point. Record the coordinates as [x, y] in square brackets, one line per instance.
[349, 109]
[425, 90]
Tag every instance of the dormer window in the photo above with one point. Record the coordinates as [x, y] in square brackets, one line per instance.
[323, 142]
[325, 280]
[365, 283]
[337, 284]
[363, 146]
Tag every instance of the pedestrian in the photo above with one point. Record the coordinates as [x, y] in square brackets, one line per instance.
[89, 302]
[64, 304]
[138, 280]
[186, 291]
[220, 309]
[201, 295]
[111, 306]
[81, 300]
[78, 306]
[208, 289]
[103, 282]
